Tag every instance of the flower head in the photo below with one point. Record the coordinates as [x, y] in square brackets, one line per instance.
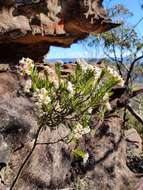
[41, 75]
[107, 103]
[26, 65]
[70, 87]
[42, 96]
[56, 83]
[115, 74]
[108, 106]
[28, 85]
[106, 97]
[121, 82]
[79, 131]
[90, 110]
[98, 72]
[84, 65]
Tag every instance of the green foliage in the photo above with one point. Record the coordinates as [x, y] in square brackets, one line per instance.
[79, 154]
[120, 12]
[69, 101]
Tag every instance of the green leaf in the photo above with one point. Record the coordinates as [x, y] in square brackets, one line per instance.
[58, 71]
[78, 153]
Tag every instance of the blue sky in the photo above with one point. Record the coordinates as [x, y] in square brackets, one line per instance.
[78, 51]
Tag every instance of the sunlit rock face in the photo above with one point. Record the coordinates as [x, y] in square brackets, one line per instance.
[51, 17]
[53, 167]
[113, 158]
[48, 22]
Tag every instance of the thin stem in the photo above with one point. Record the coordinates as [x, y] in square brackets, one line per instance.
[54, 142]
[26, 159]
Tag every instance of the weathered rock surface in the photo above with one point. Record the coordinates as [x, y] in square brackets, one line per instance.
[134, 151]
[52, 167]
[27, 28]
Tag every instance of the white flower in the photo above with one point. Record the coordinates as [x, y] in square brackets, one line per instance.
[84, 65]
[79, 131]
[85, 158]
[56, 84]
[98, 72]
[28, 85]
[90, 67]
[26, 65]
[60, 62]
[106, 100]
[90, 110]
[41, 76]
[58, 107]
[49, 69]
[115, 74]
[121, 82]
[70, 87]
[106, 97]
[110, 70]
[108, 106]
[42, 96]
[86, 130]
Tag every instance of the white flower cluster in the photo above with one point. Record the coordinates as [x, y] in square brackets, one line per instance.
[115, 74]
[84, 65]
[98, 72]
[70, 87]
[79, 131]
[41, 75]
[106, 100]
[42, 97]
[53, 76]
[26, 65]
[49, 70]
[90, 110]
[28, 85]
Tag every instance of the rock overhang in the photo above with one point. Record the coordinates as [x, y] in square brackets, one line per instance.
[31, 24]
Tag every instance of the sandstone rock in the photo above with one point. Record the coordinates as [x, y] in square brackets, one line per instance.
[134, 151]
[139, 186]
[53, 166]
[134, 141]
[28, 28]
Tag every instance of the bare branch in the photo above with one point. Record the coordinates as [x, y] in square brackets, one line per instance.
[131, 69]
[140, 20]
[136, 93]
[54, 142]
[113, 59]
[135, 114]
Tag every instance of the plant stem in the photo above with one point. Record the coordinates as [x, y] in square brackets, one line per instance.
[26, 159]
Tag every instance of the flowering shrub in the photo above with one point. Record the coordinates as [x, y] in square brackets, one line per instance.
[69, 100]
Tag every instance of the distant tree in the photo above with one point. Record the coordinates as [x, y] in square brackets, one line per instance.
[123, 47]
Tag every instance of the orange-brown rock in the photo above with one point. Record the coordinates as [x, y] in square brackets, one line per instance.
[27, 28]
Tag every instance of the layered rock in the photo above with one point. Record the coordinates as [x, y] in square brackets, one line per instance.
[52, 166]
[27, 28]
